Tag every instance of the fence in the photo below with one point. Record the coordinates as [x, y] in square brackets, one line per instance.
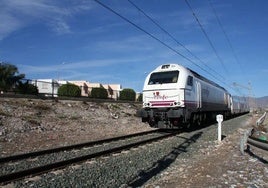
[261, 119]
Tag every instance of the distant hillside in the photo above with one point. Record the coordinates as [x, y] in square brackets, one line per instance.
[262, 102]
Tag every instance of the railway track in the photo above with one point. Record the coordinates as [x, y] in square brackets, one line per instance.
[29, 164]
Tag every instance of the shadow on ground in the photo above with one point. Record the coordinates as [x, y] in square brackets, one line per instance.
[256, 156]
[163, 163]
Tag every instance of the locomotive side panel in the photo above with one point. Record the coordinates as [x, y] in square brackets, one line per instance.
[213, 98]
[239, 105]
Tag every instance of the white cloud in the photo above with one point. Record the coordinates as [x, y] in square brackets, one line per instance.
[130, 44]
[59, 26]
[17, 14]
[80, 65]
[8, 25]
[90, 70]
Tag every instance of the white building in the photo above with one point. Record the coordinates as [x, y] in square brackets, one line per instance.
[84, 86]
[49, 87]
[113, 90]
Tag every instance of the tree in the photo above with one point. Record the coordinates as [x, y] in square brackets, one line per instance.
[26, 88]
[99, 93]
[127, 94]
[69, 90]
[9, 76]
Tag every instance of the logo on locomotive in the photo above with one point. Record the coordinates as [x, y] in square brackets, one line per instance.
[157, 95]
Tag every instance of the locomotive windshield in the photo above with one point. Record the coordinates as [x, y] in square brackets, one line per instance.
[164, 77]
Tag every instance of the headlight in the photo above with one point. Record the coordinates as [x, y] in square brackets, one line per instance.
[177, 103]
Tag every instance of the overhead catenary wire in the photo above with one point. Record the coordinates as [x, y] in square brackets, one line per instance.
[225, 34]
[157, 39]
[146, 32]
[163, 43]
[206, 35]
[228, 41]
[171, 36]
[210, 42]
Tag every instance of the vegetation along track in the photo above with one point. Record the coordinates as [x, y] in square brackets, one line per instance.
[29, 164]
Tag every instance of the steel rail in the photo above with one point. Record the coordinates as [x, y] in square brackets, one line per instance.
[71, 147]
[46, 168]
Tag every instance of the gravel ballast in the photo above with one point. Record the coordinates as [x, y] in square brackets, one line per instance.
[190, 159]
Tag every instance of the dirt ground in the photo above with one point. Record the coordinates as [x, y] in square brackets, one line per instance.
[220, 165]
[32, 124]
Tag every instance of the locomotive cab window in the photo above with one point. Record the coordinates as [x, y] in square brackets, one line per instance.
[164, 77]
[190, 81]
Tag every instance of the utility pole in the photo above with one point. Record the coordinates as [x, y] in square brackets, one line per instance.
[251, 99]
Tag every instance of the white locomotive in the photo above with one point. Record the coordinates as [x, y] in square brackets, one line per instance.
[177, 96]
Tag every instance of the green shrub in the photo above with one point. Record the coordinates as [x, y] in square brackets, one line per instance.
[69, 90]
[26, 88]
[128, 95]
[99, 93]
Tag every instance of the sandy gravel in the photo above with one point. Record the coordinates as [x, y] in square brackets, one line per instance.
[219, 165]
[32, 124]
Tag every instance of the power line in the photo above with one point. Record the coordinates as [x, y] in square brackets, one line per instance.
[206, 35]
[227, 39]
[165, 31]
[152, 36]
[225, 34]
[157, 39]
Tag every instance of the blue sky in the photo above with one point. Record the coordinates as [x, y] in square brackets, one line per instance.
[82, 40]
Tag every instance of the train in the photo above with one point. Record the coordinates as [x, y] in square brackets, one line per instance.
[176, 96]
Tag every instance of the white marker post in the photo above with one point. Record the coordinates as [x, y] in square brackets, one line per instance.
[219, 119]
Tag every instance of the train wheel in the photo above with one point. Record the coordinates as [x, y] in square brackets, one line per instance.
[198, 119]
[188, 125]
